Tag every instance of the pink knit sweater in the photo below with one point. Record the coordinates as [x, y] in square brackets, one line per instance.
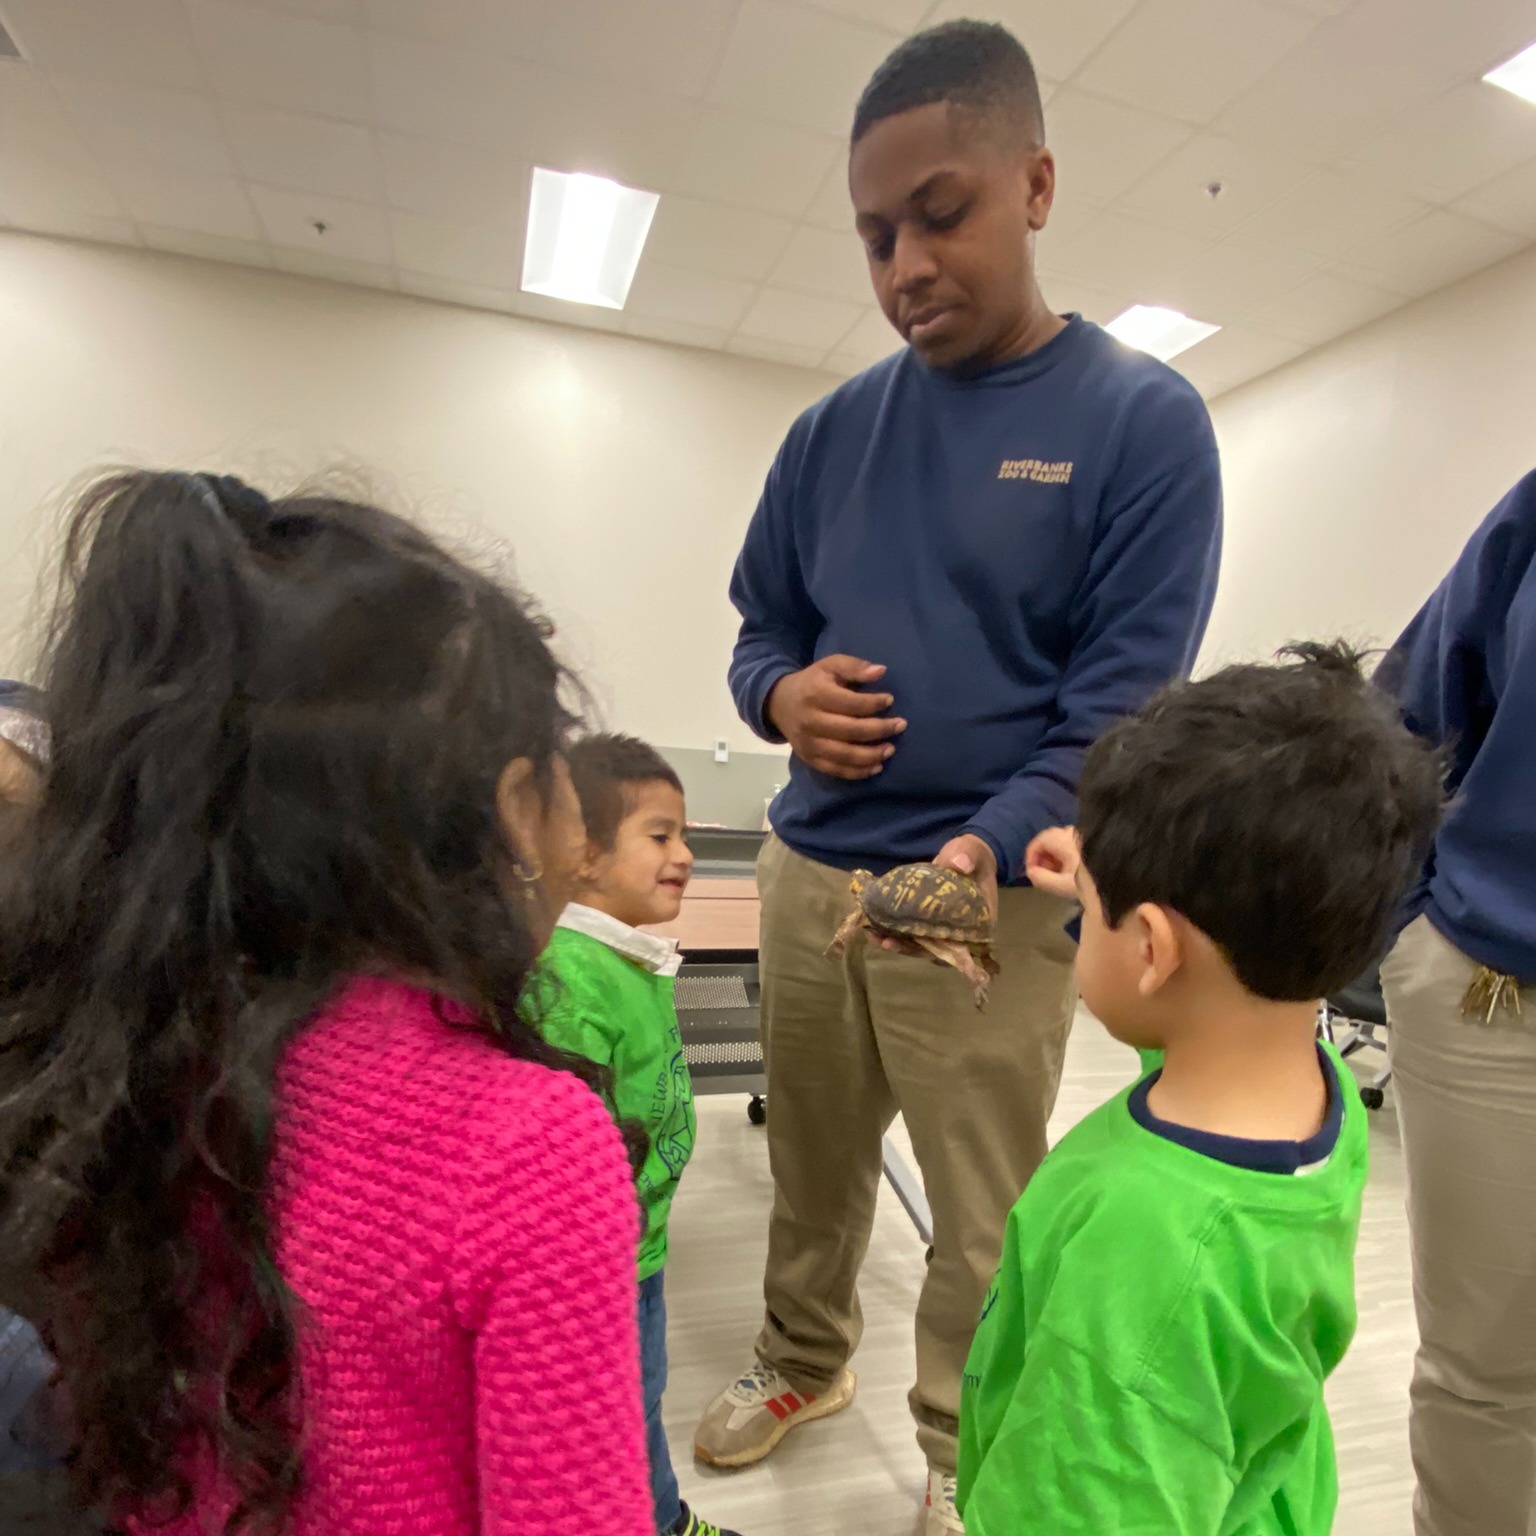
[460, 1229]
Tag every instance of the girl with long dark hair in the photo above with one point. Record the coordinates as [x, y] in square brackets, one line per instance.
[325, 1237]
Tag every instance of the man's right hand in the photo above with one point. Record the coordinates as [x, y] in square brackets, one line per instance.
[830, 723]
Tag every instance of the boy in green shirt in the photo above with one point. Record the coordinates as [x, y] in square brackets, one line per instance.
[1177, 1282]
[614, 1005]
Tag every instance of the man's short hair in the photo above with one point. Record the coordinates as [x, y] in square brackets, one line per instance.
[978, 66]
[603, 769]
[1284, 810]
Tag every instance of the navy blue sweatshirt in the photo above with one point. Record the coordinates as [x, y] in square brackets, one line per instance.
[1031, 552]
[1465, 673]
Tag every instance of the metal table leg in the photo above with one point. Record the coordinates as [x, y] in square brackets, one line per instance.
[909, 1191]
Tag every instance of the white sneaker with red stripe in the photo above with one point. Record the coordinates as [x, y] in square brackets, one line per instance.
[940, 1517]
[757, 1410]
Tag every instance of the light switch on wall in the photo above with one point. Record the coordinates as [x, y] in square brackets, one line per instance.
[722, 751]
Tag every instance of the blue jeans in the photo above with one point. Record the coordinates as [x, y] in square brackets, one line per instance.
[653, 1371]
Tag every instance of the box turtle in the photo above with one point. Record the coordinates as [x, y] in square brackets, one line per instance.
[926, 910]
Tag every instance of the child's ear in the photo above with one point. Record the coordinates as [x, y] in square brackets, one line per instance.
[591, 864]
[1160, 948]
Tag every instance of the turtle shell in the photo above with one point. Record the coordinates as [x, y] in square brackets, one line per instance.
[928, 902]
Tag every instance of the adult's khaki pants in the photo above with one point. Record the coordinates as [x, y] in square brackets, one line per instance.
[847, 1042]
[1466, 1103]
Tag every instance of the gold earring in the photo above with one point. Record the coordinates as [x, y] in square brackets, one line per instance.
[528, 876]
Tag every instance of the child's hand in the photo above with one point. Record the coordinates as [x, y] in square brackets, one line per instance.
[1051, 862]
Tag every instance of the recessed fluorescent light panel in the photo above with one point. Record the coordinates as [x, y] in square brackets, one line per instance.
[1162, 332]
[1518, 75]
[585, 235]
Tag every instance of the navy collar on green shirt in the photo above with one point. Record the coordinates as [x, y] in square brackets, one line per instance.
[1261, 1156]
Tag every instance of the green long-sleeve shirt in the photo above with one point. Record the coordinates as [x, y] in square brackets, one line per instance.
[613, 1004]
[1151, 1356]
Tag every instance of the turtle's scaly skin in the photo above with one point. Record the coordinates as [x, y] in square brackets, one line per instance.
[938, 912]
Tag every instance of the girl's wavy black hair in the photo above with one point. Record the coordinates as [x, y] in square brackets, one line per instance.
[277, 735]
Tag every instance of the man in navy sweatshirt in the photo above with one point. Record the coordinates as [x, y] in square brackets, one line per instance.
[1460, 989]
[966, 562]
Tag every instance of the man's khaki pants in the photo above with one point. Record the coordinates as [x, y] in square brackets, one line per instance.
[847, 1042]
[1466, 1103]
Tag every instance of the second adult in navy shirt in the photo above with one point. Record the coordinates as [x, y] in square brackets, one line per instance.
[1031, 551]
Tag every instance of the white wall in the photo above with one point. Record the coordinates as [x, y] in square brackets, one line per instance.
[621, 472]
[1354, 475]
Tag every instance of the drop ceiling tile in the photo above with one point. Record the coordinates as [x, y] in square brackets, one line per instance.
[1235, 355]
[661, 292]
[1339, 88]
[1455, 143]
[455, 182]
[491, 258]
[353, 231]
[1059, 34]
[708, 237]
[189, 242]
[307, 154]
[792, 65]
[326, 10]
[1330, 214]
[211, 205]
[1187, 59]
[870, 338]
[1322, 9]
[637, 137]
[1462, 42]
[747, 163]
[1102, 149]
[335, 269]
[445, 291]
[592, 317]
[817, 261]
[678, 333]
[799, 320]
[512, 29]
[1439, 248]
[35, 127]
[896, 16]
[1177, 192]
[776, 351]
[278, 60]
[1508, 201]
[1321, 308]
[671, 48]
[1151, 260]
[832, 207]
[147, 43]
[450, 93]
[1236, 275]
[147, 129]
[43, 187]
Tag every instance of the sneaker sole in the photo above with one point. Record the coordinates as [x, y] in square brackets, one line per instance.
[834, 1400]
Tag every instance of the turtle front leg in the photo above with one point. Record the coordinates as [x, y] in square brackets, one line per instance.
[850, 926]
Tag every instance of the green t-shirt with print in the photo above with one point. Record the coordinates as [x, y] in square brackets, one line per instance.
[1150, 1359]
[616, 1012]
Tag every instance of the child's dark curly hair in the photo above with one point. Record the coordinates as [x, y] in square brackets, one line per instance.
[277, 733]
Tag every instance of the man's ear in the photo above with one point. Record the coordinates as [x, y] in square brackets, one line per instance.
[1160, 948]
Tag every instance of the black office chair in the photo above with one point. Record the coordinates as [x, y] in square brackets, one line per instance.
[1351, 1019]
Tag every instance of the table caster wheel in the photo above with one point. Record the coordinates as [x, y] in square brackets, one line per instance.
[1372, 1098]
[757, 1110]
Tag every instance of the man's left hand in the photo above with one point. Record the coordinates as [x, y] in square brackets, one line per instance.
[971, 855]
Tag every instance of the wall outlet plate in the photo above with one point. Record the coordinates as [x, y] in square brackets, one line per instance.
[722, 751]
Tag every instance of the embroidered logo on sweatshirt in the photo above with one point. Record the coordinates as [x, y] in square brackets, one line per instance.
[1041, 471]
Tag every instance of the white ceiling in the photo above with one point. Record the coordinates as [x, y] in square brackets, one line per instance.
[1362, 161]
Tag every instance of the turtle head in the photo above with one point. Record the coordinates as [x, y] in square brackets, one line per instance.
[860, 881]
